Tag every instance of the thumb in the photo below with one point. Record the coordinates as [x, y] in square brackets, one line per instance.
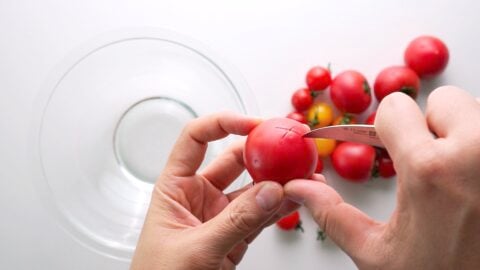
[347, 226]
[243, 216]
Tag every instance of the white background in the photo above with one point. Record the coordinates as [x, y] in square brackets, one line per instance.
[272, 43]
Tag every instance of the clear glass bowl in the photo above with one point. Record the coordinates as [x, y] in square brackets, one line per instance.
[105, 123]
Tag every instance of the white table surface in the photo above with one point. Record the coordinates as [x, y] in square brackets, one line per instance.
[272, 43]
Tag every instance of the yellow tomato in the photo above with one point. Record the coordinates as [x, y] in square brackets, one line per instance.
[325, 146]
[320, 115]
[345, 119]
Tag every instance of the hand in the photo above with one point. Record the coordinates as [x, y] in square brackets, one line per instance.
[436, 223]
[191, 223]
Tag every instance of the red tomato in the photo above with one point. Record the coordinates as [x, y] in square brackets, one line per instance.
[319, 167]
[371, 118]
[384, 164]
[396, 79]
[318, 78]
[297, 117]
[302, 99]
[350, 92]
[290, 222]
[345, 119]
[276, 150]
[353, 161]
[427, 56]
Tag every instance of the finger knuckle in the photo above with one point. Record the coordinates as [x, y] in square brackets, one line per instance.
[241, 219]
[442, 92]
[427, 164]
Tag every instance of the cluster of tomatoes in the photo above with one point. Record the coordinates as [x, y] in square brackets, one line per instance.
[351, 94]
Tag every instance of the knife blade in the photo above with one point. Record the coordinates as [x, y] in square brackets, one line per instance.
[353, 133]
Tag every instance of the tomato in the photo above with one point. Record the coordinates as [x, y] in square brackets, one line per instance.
[396, 79]
[276, 150]
[383, 164]
[325, 146]
[318, 78]
[302, 99]
[427, 56]
[298, 117]
[290, 222]
[345, 119]
[371, 118]
[350, 92]
[319, 167]
[320, 115]
[353, 161]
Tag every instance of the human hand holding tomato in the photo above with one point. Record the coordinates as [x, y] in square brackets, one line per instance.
[191, 223]
[437, 217]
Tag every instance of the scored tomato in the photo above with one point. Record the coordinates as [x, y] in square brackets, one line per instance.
[319, 167]
[291, 222]
[302, 99]
[350, 92]
[427, 56]
[396, 79]
[300, 117]
[353, 161]
[345, 119]
[320, 115]
[318, 78]
[276, 150]
[325, 146]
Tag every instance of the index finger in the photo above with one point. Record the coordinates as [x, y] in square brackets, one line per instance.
[401, 125]
[189, 150]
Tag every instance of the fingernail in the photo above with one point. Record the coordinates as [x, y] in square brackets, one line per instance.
[269, 197]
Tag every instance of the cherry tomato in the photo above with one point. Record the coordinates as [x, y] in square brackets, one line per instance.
[427, 56]
[396, 79]
[276, 150]
[345, 119]
[319, 167]
[325, 147]
[320, 115]
[383, 164]
[302, 99]
[298, 117]
[371, 118]
[290, 222]
[318, 78]
[353, 161]
[350, 92]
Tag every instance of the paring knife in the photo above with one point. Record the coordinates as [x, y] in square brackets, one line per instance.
[353, 133]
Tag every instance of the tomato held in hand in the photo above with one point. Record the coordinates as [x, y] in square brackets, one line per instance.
[427, 56]
[318, 78]
[276, 150]
[353, 161]
[290, 222]
[320, 115]
[302, 99]
[319, 167]
[350, 92]
[297, 117]
[396, 79]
